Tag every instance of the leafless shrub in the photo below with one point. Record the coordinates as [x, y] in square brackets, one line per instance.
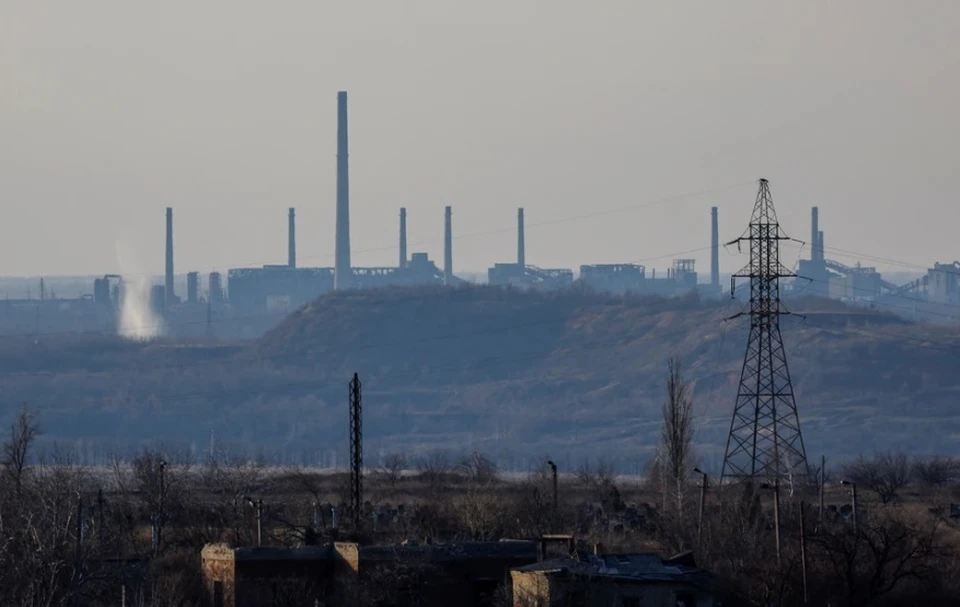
[477, 468]
[480, 513]
[393, 467]
[229, 478]
[596, 476]
[162, 483]
[434, 468]
[935, 472]
[884, 555]
[23, 433]
[886, 474]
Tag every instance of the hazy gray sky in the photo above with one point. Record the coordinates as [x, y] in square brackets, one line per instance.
[226, 110]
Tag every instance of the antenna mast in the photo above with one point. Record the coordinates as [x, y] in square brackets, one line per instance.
[356, 451]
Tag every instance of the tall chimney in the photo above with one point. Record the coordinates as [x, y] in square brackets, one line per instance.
[521, 249]
[820, 253]
[168, 284]
[714, 249]
[292, 240]
[403, 237]
[815, 234]
[448, 246]
[342, 268]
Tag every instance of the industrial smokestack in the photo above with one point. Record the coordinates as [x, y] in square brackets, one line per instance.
[292, 239]
[448, 246]
[521, 248]
[714, 249]
[342, 268]
[403, 237]
[168, 283]
[821, 256]
[815, 234]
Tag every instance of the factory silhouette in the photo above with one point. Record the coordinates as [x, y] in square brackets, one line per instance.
[253, 299]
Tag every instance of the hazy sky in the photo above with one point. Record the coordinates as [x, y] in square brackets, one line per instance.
[226, 111]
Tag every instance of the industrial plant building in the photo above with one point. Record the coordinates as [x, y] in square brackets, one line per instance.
[247, 301]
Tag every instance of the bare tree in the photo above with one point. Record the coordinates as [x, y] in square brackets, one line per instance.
[477, 468]
[675, 452]
[884, 555]
[23, 433]
[599, 476]
[886, 474]
[433, 468]
[161, 481]
[480, 513]
[393, 466]
[229, 478]
[936, 471]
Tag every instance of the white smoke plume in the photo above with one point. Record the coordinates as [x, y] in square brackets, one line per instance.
[137, 319]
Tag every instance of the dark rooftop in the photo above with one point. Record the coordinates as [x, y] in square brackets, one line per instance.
[503, 549]
[644, 566]
[453, 551]
[307, 553]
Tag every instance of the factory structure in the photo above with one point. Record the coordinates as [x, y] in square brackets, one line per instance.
[934, 296]
[248, 301]
[283, 288]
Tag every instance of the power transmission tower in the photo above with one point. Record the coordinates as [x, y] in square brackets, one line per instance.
[765, 440]
[356, 451]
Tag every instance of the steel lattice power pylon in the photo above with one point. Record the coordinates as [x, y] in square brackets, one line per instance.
[356, 451]
[765, 440]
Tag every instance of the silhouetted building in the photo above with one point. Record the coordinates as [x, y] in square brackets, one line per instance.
[215, 294]
[193, 287]
[158, 299]
[943, 283]
[618, 278]
[636, 580]
[521, 274]
[464, 573]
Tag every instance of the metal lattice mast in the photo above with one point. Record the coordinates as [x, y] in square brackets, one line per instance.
[356, 451]
[765, 440]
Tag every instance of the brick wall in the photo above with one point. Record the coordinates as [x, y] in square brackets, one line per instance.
[219, 573]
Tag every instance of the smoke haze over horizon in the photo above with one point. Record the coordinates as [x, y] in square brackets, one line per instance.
[110, 112]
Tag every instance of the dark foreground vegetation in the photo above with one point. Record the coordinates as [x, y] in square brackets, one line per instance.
[76, 535]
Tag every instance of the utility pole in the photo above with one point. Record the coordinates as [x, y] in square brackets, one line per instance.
[853, 495]
[79, 553]
[556, 502]
[257, 505]
[823, 482]
[100, 517]
[765, 429]
[703, 497]
[776, 516]
[356, 450]
[803, 553]
[160, 507]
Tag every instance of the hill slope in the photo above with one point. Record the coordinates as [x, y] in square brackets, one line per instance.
[513, 374]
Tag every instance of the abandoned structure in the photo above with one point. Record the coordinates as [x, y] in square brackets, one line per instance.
[521, 274]
[630, 580]
[246, 301]
[466, 573]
